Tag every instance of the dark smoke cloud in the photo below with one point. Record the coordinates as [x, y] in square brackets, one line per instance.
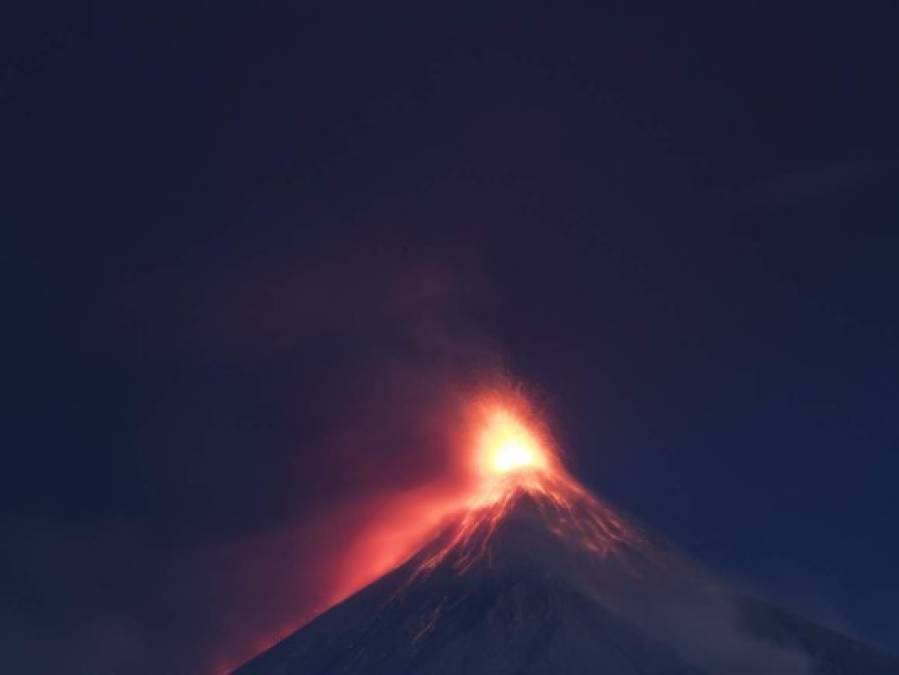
[249, 423]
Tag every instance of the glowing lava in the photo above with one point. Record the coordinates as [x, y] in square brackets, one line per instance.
[501, 455]
[507, 445]
[515, 459]
[506, 454]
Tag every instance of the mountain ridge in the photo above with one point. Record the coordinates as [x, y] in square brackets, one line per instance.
[512, 587]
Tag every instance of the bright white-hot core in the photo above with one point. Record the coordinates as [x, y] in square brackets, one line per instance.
[506, 445]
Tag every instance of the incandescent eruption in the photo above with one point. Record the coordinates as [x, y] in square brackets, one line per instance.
[516, 463]
[525, 572]
[507, 446]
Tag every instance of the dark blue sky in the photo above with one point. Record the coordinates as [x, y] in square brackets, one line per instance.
[235, 234]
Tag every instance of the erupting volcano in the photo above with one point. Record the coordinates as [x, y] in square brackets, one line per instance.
[517, 465]
[532, 574]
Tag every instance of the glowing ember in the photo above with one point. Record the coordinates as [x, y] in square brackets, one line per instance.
[504, 454]
[506, 445]
[502, 449]
[514, 459]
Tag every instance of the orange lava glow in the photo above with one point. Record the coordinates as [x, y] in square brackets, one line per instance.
[506, 445]
[514, 456]
[502, 449]
[501, 445]
[567, 510]
[511, 454]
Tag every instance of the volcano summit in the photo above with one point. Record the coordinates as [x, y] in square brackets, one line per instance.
[536, 576]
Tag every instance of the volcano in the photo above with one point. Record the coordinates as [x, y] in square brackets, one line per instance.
[537, 576]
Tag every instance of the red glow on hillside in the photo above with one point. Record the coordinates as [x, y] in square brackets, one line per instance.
[505, 451]
[514, 456]
[567, 510]
[500, 444]
[500, 448]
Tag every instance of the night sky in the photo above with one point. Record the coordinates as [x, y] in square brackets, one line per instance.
[252, 250]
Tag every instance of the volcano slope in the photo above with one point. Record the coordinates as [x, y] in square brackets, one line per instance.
[543, 579]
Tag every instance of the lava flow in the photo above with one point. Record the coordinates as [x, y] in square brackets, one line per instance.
[502, 454]
[514, 458]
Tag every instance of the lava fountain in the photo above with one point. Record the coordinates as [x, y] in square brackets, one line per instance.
[503, 456]
[500, 447]
[513, 458]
